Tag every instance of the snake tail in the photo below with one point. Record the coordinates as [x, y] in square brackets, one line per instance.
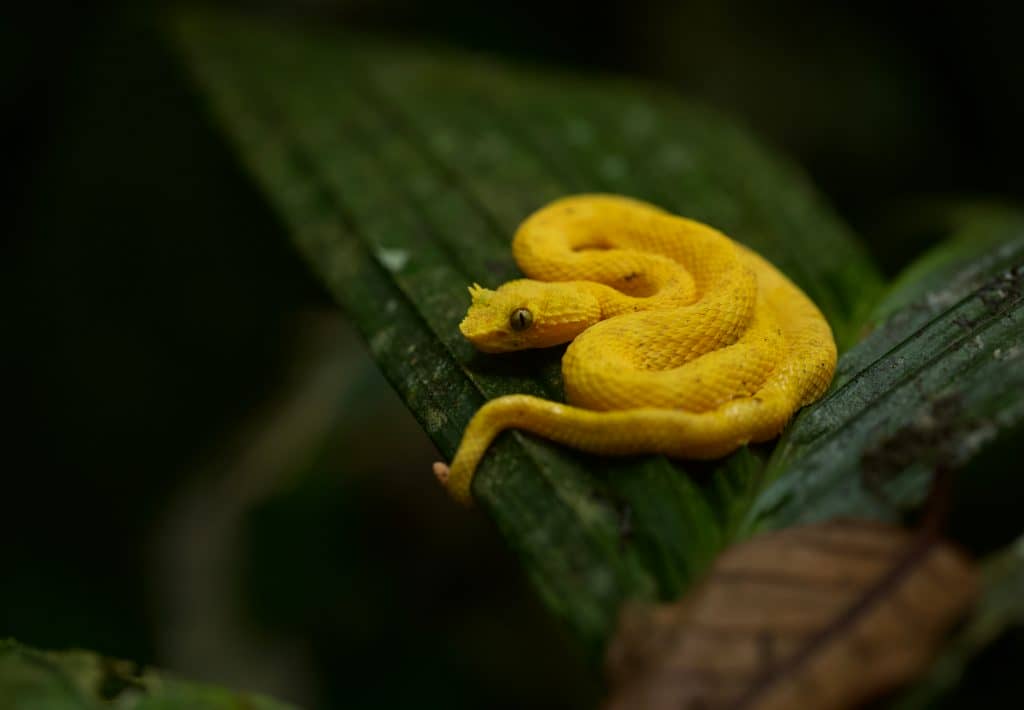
[674, 433]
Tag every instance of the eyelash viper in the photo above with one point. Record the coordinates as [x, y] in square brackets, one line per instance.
[684, 342]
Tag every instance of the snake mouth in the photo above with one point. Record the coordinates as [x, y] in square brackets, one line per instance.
[492, 349]
[488, 339]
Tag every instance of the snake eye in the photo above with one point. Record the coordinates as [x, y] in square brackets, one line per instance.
[520, 319]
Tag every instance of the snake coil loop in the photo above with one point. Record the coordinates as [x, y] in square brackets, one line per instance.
[683, 342]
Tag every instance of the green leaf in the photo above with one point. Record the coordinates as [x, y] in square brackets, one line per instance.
[401, 174]
[82, 680]
[938, 380]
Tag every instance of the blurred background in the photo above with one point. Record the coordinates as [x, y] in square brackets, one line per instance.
[204, 471]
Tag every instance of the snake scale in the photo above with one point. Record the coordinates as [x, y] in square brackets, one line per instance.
[683, 342]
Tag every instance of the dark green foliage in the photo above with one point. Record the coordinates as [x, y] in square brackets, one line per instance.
[82, 680]
[401, 175]
[152, 296]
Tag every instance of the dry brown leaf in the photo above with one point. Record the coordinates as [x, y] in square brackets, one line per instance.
[820, 616]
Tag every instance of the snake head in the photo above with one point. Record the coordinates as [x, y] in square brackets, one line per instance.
[528, 314]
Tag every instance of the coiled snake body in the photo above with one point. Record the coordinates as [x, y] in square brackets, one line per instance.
[684, 343]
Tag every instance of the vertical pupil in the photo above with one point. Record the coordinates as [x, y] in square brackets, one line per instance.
[520, 319]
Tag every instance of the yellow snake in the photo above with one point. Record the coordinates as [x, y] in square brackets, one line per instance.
[684, 342]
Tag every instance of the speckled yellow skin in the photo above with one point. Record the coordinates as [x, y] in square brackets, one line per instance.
[684, 343]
